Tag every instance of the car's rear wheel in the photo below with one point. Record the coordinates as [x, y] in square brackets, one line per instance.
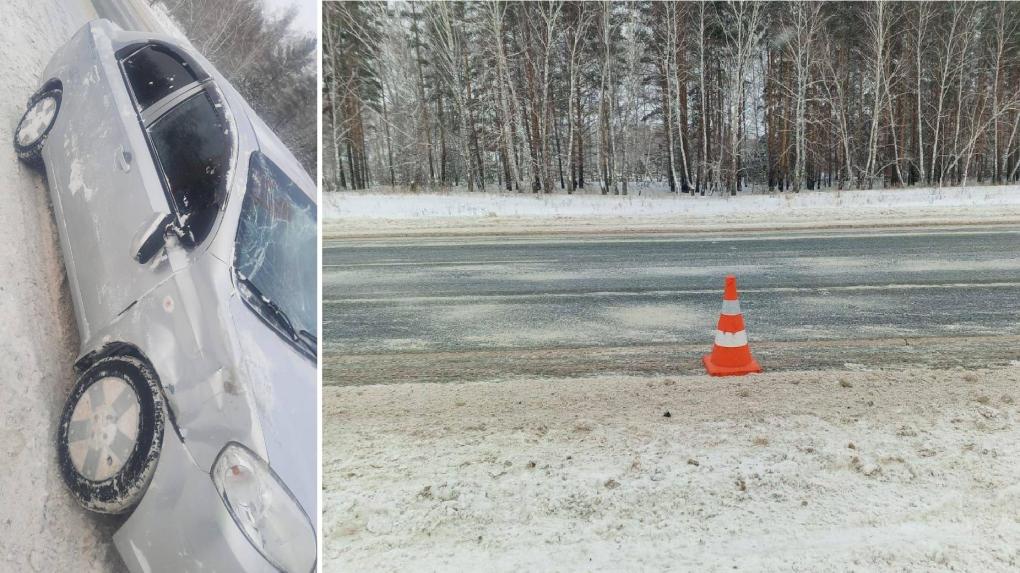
[111, 433]
[35, 125]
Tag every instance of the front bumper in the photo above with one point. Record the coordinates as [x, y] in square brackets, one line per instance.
[182, 525]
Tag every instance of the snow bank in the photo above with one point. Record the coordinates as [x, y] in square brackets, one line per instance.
[363, 214]
[375, 205]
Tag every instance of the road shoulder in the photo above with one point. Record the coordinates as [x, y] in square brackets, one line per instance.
[815, 470]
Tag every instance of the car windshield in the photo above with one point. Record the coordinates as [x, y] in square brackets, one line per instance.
[275, 257]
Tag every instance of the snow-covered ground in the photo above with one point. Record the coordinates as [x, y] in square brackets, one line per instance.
[41, 527]
[367, 213]
[910, 470]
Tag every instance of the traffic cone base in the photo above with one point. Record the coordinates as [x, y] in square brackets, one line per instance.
[731, 355]
[751, 367]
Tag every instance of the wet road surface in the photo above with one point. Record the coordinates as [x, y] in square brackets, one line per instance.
[462, 309]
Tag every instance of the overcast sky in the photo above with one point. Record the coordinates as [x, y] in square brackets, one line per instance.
[306, 20]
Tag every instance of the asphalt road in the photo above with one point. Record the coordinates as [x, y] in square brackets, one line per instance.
[466, 309]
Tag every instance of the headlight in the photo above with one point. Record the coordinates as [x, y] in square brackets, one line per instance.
[264, 509]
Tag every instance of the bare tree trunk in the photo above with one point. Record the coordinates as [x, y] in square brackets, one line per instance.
[805, 22]
[944, 73]
[959, 71]
[674, 53]
[742, 42]
[704, 100]
[507, 95]
[923, 15]
[877, 27]
[579, 126]
[334, 103]
[605, 104]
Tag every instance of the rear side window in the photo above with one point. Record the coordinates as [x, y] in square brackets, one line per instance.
[193, 150]
[154, 73]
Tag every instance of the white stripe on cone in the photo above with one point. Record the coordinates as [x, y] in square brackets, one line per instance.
[731, 339]
[730, 307]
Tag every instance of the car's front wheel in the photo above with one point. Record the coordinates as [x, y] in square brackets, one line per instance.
[111, 433]
[35, 125]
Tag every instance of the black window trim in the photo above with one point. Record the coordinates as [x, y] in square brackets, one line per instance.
[150, 115]
[154, 112]
[128, 51]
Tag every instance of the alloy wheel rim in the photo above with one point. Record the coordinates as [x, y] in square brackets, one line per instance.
[37, 120]
[103, 429]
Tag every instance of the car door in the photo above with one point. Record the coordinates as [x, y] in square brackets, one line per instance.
[126, 163]
[104, 186]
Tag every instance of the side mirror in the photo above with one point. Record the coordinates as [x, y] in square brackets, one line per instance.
[152, 237]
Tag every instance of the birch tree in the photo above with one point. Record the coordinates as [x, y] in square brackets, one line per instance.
[726, 96]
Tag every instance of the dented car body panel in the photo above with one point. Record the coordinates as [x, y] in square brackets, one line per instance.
[226, 374]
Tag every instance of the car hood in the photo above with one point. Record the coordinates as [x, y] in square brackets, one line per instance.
[283, 383]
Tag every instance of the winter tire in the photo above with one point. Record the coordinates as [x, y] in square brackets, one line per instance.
[111, 433]
[35, 125]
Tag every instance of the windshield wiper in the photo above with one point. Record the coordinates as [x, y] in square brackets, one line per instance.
[274, 309]
[309, 340]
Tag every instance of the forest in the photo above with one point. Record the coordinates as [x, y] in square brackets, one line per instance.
[699, 97]
[270, 64]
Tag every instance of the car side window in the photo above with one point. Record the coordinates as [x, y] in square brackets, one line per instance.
[154, 73]
[192, 148]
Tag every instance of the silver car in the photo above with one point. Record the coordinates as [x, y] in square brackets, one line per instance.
[189, 237]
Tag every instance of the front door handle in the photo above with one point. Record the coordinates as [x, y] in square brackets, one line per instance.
[123, 158]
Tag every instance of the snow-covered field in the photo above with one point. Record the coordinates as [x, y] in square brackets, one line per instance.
[367, 213]
[910, 470]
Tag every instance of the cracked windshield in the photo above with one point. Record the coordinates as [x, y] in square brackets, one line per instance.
[276, 244]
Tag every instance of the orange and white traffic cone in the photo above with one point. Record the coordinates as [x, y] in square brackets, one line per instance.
[731, 356]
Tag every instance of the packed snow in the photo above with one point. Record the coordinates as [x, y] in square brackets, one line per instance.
[374, 213]
[792, 471]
